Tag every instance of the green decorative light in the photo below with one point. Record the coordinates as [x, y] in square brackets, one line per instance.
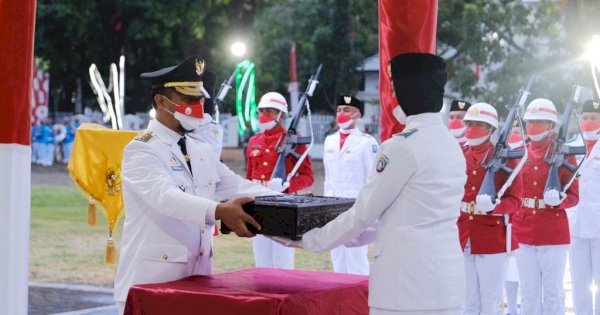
[245, 96]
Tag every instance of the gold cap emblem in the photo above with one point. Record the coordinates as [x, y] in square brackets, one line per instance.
[474, 111]
[461, 105]
[347, 99]
[596, 105]
[199, 66]
[534, 110]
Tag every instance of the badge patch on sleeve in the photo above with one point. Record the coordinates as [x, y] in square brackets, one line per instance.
[382, 163]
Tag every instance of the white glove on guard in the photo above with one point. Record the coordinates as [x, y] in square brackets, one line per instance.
[485, 204]
[277, 185]
[553, 197]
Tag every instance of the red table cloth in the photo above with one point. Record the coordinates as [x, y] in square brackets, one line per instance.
[259, 291]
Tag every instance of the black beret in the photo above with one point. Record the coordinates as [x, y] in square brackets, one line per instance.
[591, 106]
[459, 105]
[187, 78]
[418, 80]
[351, 101]
[410, 63]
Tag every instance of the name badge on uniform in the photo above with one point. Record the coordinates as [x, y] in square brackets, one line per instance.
[175, 165]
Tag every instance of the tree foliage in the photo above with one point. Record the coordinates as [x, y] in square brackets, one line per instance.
[510, 41]
[337, 33]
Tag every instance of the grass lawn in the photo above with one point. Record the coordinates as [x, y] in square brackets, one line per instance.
[65, 249]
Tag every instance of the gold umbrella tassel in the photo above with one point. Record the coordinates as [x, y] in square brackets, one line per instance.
[111, 251]
[91, 211]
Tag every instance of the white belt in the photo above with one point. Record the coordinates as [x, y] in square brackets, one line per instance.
[261, 182]
[534, 203]
[471, 208]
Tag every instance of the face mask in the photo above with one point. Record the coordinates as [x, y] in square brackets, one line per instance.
[182, 112]
[206, 120]
[343, 120]
[515, 140]
[456, 127]
[537, 132]
[590, 129]
[476, 135]
[399, 115]
[266, 121]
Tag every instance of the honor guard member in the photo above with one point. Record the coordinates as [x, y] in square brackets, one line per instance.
[348, 160]
[261, 160]
[408, 206]
[458, 109]
[584, 219]
[541, 225]
[170, 181]
[481, 224]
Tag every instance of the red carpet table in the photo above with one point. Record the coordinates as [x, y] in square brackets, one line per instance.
[259, 291]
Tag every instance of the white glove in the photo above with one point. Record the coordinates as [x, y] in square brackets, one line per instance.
[277, 185]
[485, 204]
[286, 241]
[553, 197]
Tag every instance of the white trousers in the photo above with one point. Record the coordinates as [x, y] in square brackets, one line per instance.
[542, 268]
[270, 254]
[353, 260]
[484, 282]
[380, 311]
[120, 307]
[67, 149]
[584, 257]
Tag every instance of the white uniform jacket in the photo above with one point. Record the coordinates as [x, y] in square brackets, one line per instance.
[413, 194]
[211, 134]
[584, 219]
[170, 215]
[347, 169]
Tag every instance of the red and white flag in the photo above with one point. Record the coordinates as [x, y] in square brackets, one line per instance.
[16, 66]
[404, 26]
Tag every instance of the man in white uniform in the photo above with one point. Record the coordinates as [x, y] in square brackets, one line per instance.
[411, 200]
[170, 181]
[348, 160]
[584, 219]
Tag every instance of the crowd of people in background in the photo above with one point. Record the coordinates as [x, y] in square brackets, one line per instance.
[52, 142]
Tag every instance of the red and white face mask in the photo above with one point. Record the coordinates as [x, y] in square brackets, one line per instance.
[456, 127]
[189, 115]
[266, 121]
[343, 120]
[537, 132]
[590, 129]
[515, 141]
[476, 135]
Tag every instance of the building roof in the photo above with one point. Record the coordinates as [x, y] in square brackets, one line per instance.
[369, 64]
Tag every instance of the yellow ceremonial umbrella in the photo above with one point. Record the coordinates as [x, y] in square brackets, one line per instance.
[95, 166]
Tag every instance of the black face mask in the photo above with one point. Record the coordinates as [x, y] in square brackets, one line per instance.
[421, 92]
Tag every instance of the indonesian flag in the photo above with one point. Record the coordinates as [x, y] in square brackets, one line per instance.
[404, 26]
[16, 66]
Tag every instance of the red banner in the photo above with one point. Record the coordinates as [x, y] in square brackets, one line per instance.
[39, 95]
[16, 36]
[404, 26]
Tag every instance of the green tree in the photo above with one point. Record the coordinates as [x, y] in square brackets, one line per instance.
[510, 41]
[337, 33]
[72, 34]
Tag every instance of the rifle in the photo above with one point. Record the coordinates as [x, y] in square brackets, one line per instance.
[287, 143]
[502, 152]
[225, 87]
[555, 154]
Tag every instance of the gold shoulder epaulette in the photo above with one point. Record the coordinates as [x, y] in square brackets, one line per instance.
[144, 136]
